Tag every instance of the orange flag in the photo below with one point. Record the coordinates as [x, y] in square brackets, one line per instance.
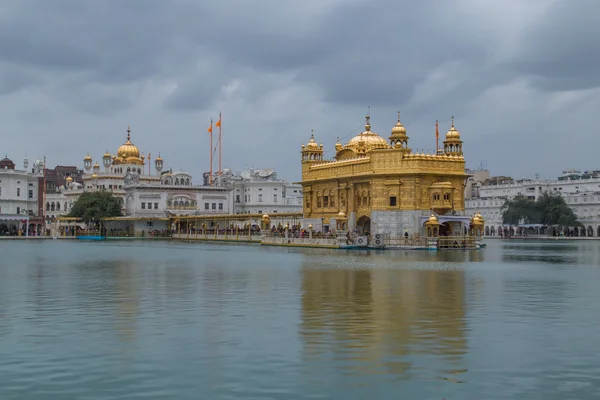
[210, 129]
[218, 124]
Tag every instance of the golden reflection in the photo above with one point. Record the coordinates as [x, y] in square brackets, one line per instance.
[127, 302]
[375, 319]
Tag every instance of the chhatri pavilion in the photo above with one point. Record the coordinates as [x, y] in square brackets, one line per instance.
[374, 185]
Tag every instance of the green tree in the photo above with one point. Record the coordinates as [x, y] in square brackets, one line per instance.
[548, 209]
[520, 209]
[93, 206]
[553, 210]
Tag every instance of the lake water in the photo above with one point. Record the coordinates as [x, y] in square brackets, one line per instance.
[161, 320]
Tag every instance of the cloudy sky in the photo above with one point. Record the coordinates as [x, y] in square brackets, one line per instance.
[521, 78]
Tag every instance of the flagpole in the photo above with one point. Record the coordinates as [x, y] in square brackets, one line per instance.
[437, 137]
[220, 143]
[210, 177]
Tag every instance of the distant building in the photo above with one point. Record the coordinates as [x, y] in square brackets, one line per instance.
[581, 192]
[21, 192]
[56, 177]
[260, 191]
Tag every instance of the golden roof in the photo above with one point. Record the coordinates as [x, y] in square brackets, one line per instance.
[87, 158]
[370, 140]
[398, 129]
[312, 145]
[69, 179]
[453, 134]
[432, 220]
[128, 153]
[159, 158]
[106, 155]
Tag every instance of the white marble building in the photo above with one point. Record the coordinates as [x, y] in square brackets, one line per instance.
[262, 192]
[19, 197]
[150, 195]
[582, 195]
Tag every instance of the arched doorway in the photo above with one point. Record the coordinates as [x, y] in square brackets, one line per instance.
[363, 225]
[445, 229]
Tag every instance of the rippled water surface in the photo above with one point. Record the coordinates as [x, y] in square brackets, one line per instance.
[126, 320]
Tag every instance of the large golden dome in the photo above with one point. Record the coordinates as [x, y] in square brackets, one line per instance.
[370, 140]
[128, 153]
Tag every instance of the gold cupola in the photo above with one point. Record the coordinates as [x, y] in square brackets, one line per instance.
[366, 141]
[399, 139]
[87, 162]
[338, 145]
[128, 153]
[453, 143]
[312, 151]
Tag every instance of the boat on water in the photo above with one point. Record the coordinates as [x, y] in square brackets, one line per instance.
[91, 238]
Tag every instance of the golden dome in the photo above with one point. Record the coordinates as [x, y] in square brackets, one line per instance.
[266, 217]
[128, 153]
[94, 176]
[87, 158]
[453, 134]
[398, 129]
[338, 145]
[432, 220]
[96, 165]
[341, 215]
[370, 140]
[159, 158]
[69, 179]
[312, 145]
[106, 155]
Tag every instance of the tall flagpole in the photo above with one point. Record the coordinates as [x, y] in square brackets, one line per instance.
[437, 137]
[44, 200]
[220, 143]
[210, 177]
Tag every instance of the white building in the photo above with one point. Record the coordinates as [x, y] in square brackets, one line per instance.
[150, 197]
[262, 192]
[19, 195]
[582, 195]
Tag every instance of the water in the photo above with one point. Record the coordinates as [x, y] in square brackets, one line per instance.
[128, 320]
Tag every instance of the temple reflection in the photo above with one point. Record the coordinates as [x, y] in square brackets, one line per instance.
[379, 317]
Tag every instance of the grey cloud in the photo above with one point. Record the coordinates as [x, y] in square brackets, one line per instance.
[561, 51]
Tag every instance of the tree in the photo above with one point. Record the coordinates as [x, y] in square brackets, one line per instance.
[94, 206]
[553, 210]
[519, 209]
[548, 209]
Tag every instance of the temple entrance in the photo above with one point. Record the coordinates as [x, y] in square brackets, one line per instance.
[445, 229]
[363, 225]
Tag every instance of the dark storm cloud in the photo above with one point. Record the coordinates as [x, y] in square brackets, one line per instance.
[561, 50]
[271, 63]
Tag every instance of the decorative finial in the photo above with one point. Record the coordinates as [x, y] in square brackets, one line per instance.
[398, 116]
[128, 132]
[338, 139]
[312, 133]
[368, 123]
[453, 121]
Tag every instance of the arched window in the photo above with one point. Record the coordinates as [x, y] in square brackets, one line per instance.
[319, 200]
[52, 207]
[57, 206]
[187, 181]
[447, 196]
[177, 181]
[47, 206]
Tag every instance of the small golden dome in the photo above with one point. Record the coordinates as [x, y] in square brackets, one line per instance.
[341, 214]
[266, 217]
[69, 179]
[106, 155]
[453, 134]
[432, 220]
[159, 158]
[87, 158]
[96, 165]
[370, 140]
[94, 176]
[338, 145]
[398, 129]
[312, 145]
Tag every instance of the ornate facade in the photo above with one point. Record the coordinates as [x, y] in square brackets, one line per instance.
[380, 186]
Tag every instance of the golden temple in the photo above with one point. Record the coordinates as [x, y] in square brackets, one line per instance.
[373, 185]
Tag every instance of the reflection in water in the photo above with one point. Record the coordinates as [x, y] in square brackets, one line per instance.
[381, 319]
